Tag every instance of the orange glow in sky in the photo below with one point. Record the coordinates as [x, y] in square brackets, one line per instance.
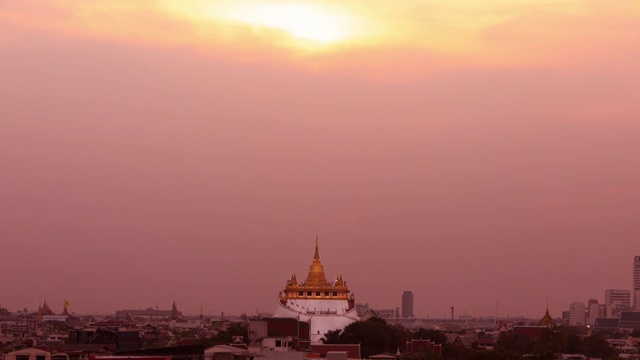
[373, 34]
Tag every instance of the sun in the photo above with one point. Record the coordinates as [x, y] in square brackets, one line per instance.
[309, 25]
[304, 25]
[310, 22]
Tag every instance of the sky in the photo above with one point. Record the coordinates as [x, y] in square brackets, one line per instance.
[483, 155]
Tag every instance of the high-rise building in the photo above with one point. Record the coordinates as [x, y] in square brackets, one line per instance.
[407, 304]
[617, 301]
[636, 283]
[577, 312]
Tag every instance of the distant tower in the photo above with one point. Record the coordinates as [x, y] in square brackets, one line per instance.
[407, 304]
[636, 283]
[65, 311]
[175, 314]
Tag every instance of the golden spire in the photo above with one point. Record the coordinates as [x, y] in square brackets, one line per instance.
[547, 320]
[316, 275]
[316, 256]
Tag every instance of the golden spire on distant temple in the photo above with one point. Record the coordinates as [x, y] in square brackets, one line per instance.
[547, 320]
[316, 275]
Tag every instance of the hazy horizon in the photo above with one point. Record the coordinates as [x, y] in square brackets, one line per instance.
[472, 153]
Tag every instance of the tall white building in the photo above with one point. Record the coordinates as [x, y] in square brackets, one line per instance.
[617, 301]
[577, 314]
[636, 283]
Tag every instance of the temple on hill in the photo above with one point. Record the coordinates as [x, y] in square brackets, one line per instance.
[325, 305]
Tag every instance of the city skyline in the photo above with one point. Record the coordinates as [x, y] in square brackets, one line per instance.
[400, 307]
[477, 154]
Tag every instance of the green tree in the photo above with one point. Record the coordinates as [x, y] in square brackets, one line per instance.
[225, 336]
[374, 335]
[515, 344]
[597, 346]
[573, 344]
[436, 336]
[184, 334]
[332, 337]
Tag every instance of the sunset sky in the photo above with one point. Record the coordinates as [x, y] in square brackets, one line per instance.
[474, 152]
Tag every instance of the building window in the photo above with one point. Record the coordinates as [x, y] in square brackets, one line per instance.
[326, 293]
[300, 293]
[309, 293]
[317, 293]
[278, 343]
[335, 293]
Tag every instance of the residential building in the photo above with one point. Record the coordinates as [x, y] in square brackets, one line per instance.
[577, 312]
[28, 354]
[617, 301]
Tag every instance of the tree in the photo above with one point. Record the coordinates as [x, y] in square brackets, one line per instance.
[515, 344]
[184, 334]
[332, 337]
[436, 336]
[596, 346]
[225, 336]
[374, 335]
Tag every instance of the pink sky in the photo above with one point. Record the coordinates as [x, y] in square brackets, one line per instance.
[469, 153]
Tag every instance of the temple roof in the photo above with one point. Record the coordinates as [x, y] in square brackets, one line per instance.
[316, 286]
[547, 320]
[44, 309]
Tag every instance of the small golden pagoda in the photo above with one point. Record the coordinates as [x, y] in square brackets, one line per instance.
[547, 320]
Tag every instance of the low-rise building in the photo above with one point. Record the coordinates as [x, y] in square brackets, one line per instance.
[28, 354]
